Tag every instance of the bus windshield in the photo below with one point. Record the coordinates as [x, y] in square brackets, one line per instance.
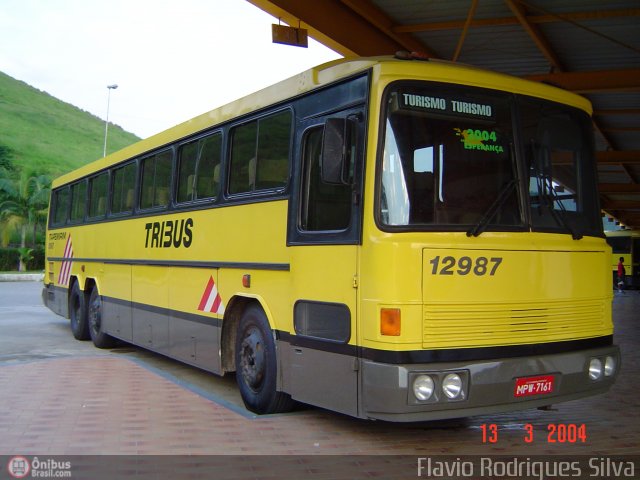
[560, 166]
[450, 162]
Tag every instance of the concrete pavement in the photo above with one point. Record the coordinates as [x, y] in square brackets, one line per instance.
[62, 397]
[21, 277]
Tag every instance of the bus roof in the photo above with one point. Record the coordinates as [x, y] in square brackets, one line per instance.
[327, 73]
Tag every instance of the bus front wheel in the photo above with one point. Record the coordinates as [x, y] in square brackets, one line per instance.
[256, 366]
[78, 313]
[99, 337]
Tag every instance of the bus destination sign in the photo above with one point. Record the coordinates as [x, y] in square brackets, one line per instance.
[451, 106]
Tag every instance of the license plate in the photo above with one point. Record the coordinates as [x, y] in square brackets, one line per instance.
[528, 386]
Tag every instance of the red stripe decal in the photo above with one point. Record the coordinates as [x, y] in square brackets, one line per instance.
[205, 297]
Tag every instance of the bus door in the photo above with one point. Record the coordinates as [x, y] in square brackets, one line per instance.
[324, 231]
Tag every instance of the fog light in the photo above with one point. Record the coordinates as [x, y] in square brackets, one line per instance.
[423, 387]
[595, 369]
[609, 366]
[452, 385]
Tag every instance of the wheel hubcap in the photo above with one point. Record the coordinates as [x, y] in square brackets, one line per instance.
[75, 307]
[94, 316]
[252, 359]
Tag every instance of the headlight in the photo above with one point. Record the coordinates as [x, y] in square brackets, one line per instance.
[423, 387]
[595, 369]
[609, 366]
[452, 385]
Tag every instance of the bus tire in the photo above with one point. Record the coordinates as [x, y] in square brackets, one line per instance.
[256, 365]
[78, 313]
[94, 315]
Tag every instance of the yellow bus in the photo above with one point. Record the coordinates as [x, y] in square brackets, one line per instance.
[625, 244]
[390, 238]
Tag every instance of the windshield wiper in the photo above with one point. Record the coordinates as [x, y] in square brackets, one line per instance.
[547, 194]
[502, 197]
[561, 216]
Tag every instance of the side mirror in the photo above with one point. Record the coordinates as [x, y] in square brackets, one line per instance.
[334, 160]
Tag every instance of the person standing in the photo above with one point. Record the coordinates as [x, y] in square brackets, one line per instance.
[621, 275]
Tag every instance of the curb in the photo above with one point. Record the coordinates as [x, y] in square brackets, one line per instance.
[21, 277]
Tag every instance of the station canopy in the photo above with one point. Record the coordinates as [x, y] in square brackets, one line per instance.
[590, 47]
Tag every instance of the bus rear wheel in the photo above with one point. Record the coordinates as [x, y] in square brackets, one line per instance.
[99, 337]
[256, 365]
[78, 313]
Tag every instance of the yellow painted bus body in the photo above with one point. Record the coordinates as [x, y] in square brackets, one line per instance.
[450, 292]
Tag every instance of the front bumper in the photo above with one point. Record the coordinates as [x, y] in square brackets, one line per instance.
[489, 385]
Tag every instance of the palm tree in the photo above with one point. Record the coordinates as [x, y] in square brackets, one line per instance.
[23, 202]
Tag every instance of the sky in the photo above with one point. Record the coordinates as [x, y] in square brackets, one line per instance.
[172, 60]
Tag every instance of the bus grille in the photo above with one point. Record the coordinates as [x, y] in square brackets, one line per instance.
[480, 325]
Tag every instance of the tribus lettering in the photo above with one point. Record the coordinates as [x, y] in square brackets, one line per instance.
[170, 233]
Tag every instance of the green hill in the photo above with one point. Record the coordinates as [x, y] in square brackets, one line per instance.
[47, 135]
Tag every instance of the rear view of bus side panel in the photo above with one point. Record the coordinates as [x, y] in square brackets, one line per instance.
[58, 262]
[115, 286]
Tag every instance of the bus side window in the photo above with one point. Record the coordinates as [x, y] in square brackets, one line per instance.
[243, 149]
[123, 187]
[78, 200]
[324, 206]
[61, 203]
[199, 169]
[207, 181]
[156, 180]
[98, 188]
[272, 160]
[260, 154]
[187, 161]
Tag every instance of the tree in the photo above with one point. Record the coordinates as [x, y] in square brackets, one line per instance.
[23, 203]
[6, 159]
